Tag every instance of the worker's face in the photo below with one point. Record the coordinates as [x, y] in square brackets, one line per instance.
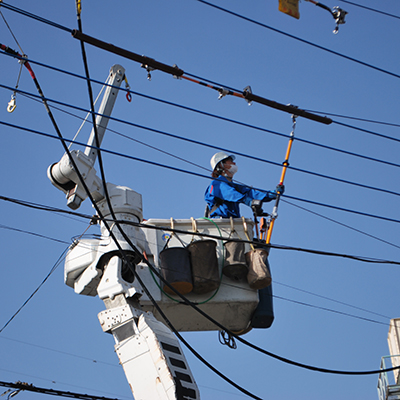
[227, 165]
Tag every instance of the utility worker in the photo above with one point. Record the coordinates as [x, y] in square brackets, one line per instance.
[223, 196]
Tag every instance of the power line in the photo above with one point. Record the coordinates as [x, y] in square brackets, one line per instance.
[206, 145]
[209, 115]
[341, 224]
[253, 346]
[36, 290]
[299, 39]
[208, 177]
[370, 9]
[169, 229]
[357, 118]
[30, 388]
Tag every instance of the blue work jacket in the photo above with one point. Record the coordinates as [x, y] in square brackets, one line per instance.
[227, 196]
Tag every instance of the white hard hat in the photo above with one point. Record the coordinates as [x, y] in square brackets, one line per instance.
[218, 157]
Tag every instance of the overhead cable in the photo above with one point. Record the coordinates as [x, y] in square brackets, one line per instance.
[335, 221]
[35, 17]
[299, 39]
[283, 359]
[201, 175]
[33, 234]
[206, 114]
[205, 235]
[150, 64]
[370, 9]
[212, 146]
[53, 392]
[36, 290]
[356, 118]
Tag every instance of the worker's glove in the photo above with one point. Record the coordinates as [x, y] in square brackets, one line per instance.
[280, 189]
[256, 206]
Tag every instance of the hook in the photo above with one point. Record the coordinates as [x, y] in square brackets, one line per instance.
[194, 224]
[128, 88]
[12, 104]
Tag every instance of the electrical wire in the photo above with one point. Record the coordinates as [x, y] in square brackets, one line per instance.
[370, 9]
[371, 121]
[53, 392]
[264, 351]
[41, 19]
[342, 224]
[36, 290]
[215, 147]
[204, 176]
[319, 369]
[200, 175]
[205, 235]
[299, 39]
[204, 113]
[33, 234]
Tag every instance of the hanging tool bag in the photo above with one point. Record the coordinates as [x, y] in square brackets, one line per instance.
[204, 262]
[258, 275]
[176, 268]
[235, 266]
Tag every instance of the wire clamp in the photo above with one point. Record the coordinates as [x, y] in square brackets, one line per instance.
[148, 69]
[176, 76]
[339, 16]
[222, 93]
[12, 104]
[246, 91]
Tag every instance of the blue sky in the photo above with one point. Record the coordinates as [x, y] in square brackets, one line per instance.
[330, 312]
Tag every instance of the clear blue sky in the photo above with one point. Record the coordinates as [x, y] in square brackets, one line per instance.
[330, 312]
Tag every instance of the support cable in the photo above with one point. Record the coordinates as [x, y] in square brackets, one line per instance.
[299, 39]
[30, 388]
[211, 146]
[370, 9]
[207, 113]
[198, 174]
[36, 290]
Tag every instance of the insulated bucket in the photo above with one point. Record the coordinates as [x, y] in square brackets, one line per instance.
[204, 261]
[259, 275]
[235, 261]
[175, 269]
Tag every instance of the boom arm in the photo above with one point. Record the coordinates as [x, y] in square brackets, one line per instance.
[62, 174]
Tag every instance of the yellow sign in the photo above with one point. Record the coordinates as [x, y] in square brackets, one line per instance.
[290, 7]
